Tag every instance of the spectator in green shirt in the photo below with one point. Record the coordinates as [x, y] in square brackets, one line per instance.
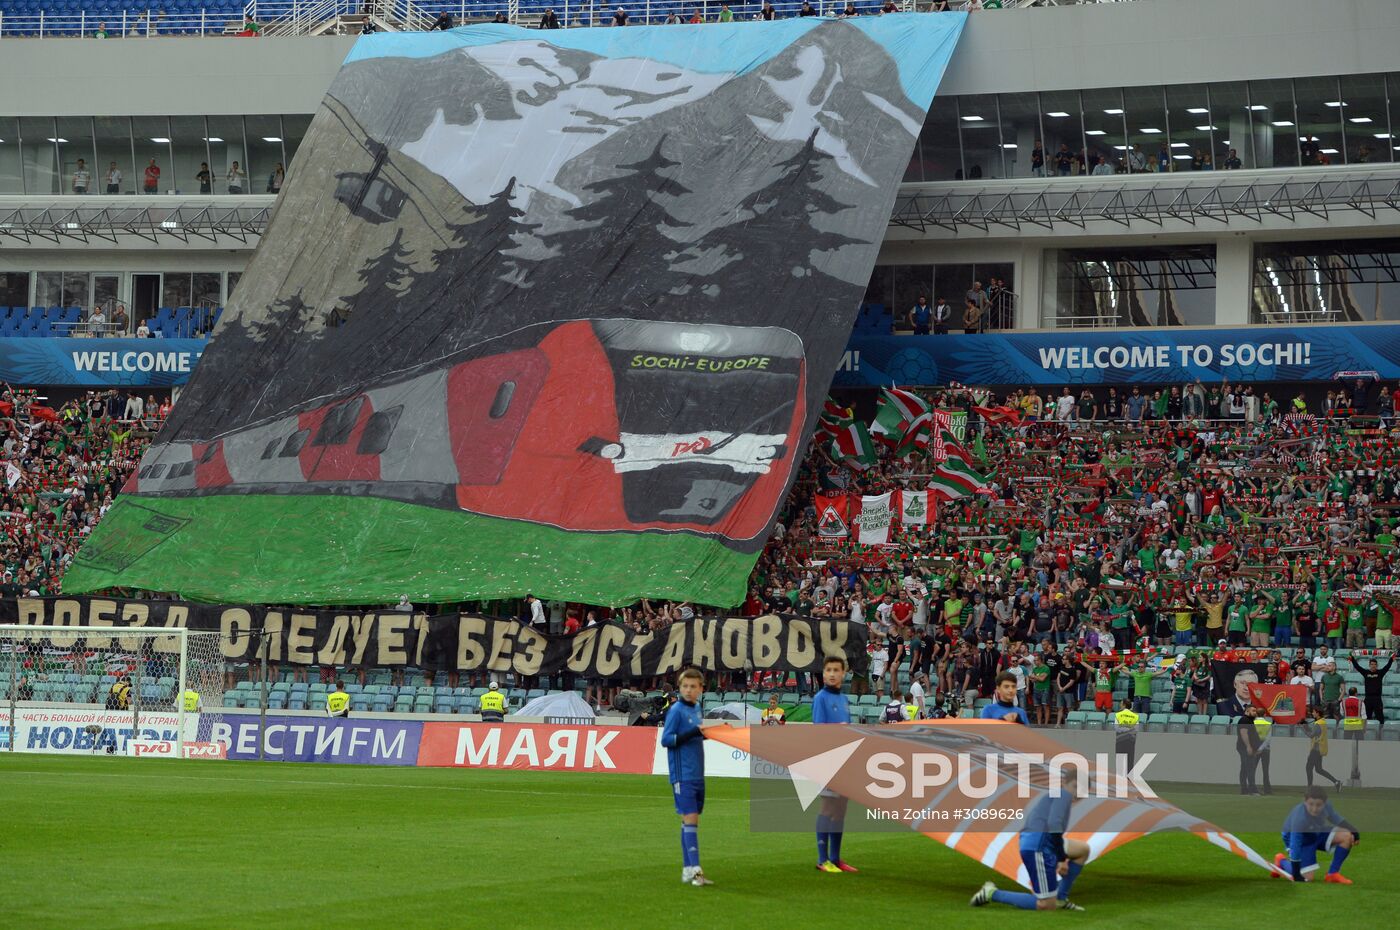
[1142, 686]
[1040, 675]
[1356, 625]
[1331, 687]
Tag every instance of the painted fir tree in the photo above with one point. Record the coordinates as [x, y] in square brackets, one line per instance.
[782, 213]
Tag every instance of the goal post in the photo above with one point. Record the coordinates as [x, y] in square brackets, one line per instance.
[95, 689]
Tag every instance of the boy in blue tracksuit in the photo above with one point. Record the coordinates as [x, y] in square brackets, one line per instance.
[830, 706]
[1312, 826]
[683, 736]
[1052, 862]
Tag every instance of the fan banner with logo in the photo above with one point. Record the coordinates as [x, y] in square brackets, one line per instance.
[873, 523]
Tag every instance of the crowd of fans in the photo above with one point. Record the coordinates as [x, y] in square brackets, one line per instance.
[1112, 523]
[62, 467]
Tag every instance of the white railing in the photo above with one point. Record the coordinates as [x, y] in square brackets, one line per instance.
[314, 17]
[128, 24]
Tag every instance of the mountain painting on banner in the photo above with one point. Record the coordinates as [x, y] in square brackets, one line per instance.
[549, 311]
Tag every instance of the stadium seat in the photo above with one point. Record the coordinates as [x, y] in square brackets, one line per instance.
[1176, 723]
[296, 703]
[1075, 720]
[231, 699]
[1197, 723]
[380, 706]
[1221, 724]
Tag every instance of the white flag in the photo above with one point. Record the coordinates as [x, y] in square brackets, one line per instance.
[874, 520]
[12, 473]
[913, 507]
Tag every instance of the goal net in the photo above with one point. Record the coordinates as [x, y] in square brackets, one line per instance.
[109, 690]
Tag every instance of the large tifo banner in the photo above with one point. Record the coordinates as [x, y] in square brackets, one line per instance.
[99, 363]
[1170, 355]
[547, 311]
[391, 639]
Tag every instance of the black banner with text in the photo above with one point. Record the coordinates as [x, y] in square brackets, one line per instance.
[468, 643]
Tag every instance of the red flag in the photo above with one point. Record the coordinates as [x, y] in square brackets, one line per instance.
[1284, 703]
[7, 409]
[40, 412]
[999, 414]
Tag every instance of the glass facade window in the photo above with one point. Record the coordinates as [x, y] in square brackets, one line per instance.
[76, 154]
[265, 154]
[940, 151]
[1354, 280]
[14, 288]
[1366, 121]
[61, 289]
[116, 173]
[1283, 123]
[1021, 135]
[190, 155]
[154, 172]
[980, 125]
[11, 170]
[227, 147]
[39, 155]
[1105, 132]
[1063, 124]
[1158, 286]
[39, 151]
[1232, 138]
[1321, 113]
[896, 289]
[191, 289]
[1275, 121]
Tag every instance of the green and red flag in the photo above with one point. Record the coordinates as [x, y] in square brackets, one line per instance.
[853, 446]
[899, 417]
[955, 478]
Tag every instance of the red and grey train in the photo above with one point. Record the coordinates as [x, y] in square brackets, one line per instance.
[599, 425]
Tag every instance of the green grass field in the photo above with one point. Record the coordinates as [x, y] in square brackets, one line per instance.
[117, 843]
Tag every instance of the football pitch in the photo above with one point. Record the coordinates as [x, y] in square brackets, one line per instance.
[134, 843]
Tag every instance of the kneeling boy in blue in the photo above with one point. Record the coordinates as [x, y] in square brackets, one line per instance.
[1312, 826]
[1052, 862]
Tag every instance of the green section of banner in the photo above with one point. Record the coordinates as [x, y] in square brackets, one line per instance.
[335, 550]
[958, 426]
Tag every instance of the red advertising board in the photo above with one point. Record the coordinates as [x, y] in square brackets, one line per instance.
[539, 747]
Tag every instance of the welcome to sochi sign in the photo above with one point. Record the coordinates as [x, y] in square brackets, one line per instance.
[99, 363]
[1158, 356]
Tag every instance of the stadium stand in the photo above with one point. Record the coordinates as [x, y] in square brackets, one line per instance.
[1222, 523]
